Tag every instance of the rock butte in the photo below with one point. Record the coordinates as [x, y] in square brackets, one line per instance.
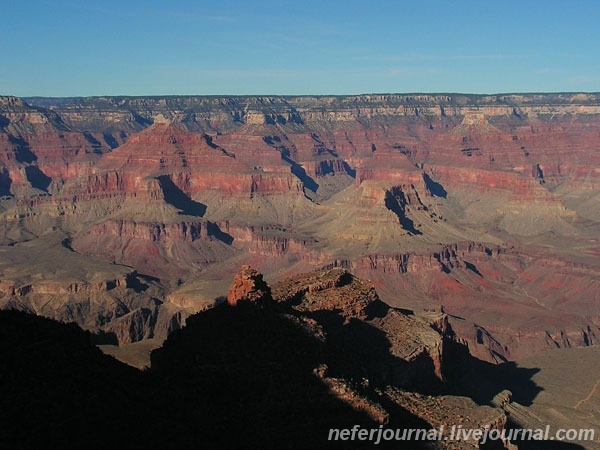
[127, 214]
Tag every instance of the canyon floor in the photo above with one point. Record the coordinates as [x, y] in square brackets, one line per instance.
[569, 396]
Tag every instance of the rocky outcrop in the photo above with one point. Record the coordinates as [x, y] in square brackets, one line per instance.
[248, 287]
[333, 290]
[415, 347]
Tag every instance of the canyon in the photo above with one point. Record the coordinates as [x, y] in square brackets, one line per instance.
[128, 214]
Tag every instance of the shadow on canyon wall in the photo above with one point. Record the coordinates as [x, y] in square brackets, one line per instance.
[180, 199]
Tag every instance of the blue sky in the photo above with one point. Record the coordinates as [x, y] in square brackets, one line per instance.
[80, 47]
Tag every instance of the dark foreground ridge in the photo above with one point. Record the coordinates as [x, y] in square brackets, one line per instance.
[237, 378]
[275, 370]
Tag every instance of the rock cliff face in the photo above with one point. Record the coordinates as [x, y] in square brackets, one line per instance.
[485, 206]
[114, 302]
[119, 310]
